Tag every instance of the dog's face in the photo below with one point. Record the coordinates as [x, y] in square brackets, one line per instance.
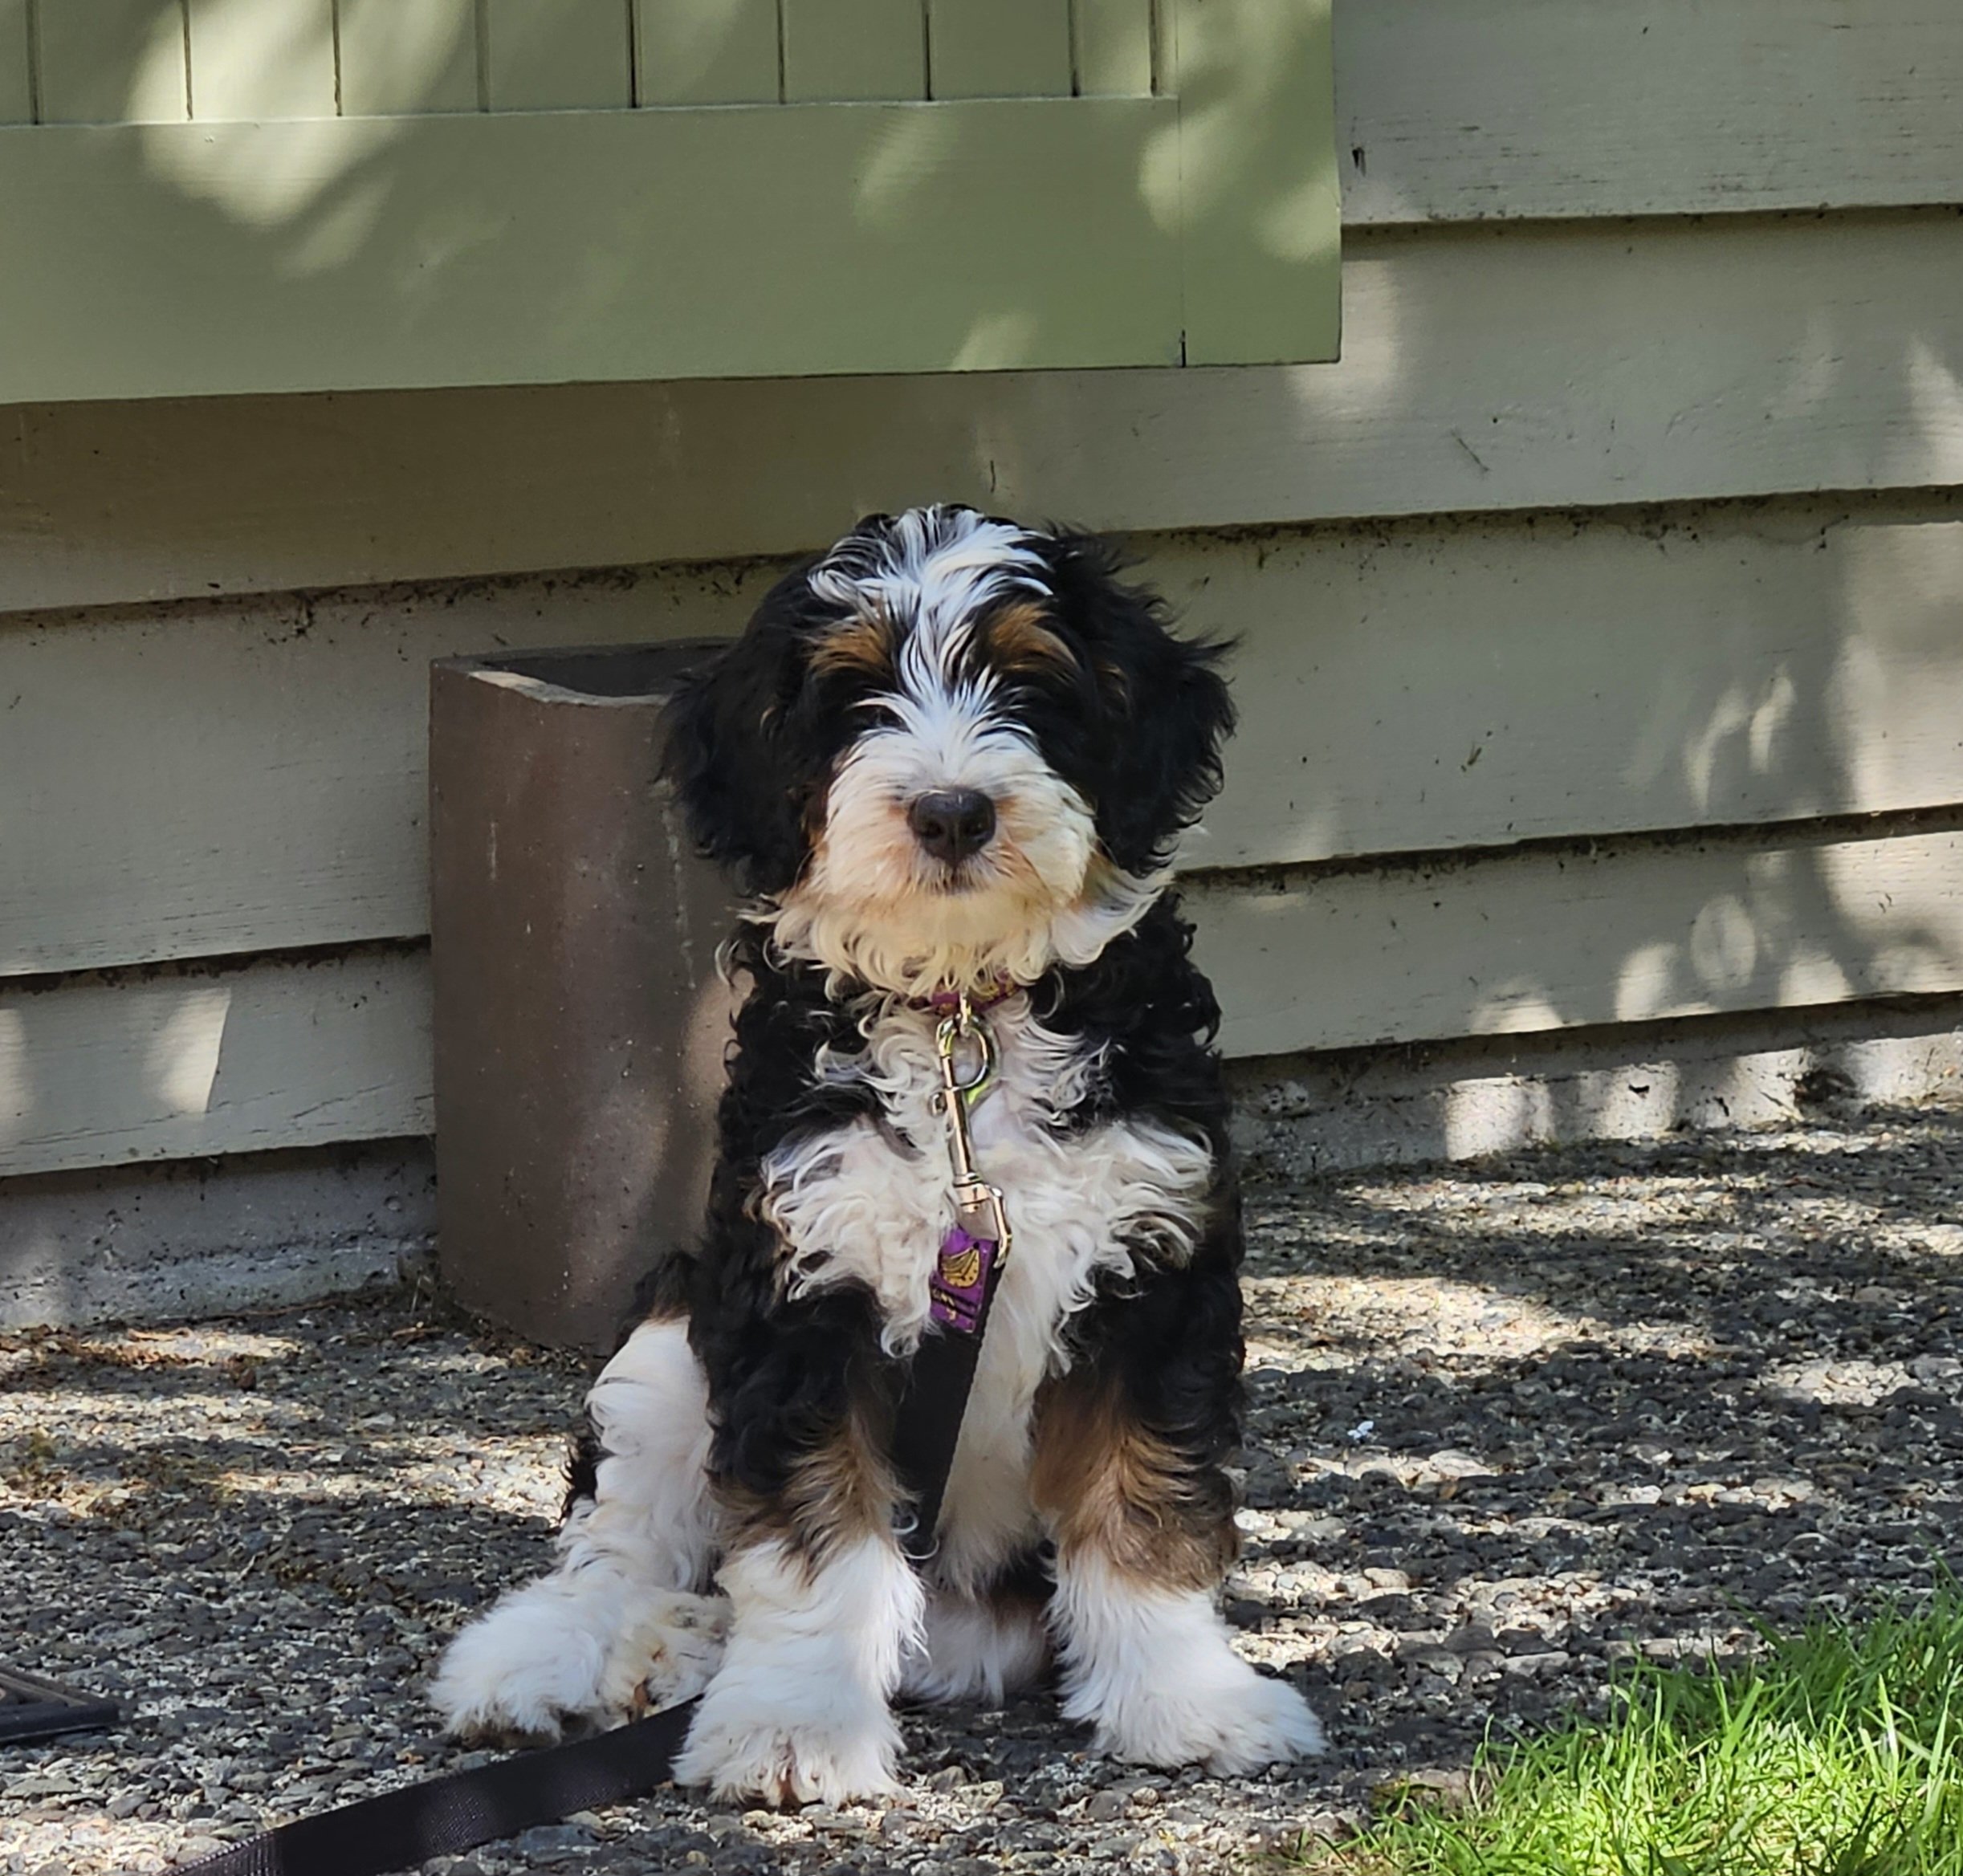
[950, 750]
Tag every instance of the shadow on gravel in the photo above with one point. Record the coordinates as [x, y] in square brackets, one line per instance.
[1508, 1422]
[1514, 1419]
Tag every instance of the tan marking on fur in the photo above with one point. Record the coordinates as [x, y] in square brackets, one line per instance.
[1020, 638]
[841, 1491]
[1106, 1484]
[865, 645]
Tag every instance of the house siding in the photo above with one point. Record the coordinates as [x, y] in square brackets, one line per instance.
[1602, 612]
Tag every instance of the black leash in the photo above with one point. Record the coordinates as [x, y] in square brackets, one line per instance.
[442, 1817]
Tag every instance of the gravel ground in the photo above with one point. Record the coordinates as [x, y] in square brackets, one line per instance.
[1511, 1421]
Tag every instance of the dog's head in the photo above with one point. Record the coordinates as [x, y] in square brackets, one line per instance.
[950, 750]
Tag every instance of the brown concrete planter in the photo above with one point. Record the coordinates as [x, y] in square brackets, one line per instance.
[579, 1021]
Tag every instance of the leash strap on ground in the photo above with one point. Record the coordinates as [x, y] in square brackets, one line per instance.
[443, 1816]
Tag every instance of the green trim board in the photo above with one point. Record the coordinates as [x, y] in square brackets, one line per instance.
[447, 246]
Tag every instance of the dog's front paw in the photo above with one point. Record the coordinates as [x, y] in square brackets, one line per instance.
[670, 1655]
[1232, 1723]
[519, 1675]
[561, 1657]
[752, 1750]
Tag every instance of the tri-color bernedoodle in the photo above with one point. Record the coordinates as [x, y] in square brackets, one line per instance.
[951, 754]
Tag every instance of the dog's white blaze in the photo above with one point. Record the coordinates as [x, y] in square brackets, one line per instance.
[799, 1709]
[1154, 1671]
[930, 574]
[871, 904]
[855, 1204]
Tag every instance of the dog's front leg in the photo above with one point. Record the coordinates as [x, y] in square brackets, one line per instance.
[824, 1608]
[800, 1710]
[1128, 1478]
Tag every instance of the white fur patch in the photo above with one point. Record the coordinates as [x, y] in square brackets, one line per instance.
[854, 1204]
[977, 1651]
[1154, 1672]
[933, 570]
[797, 1705]
[613, 1627]
[799, 1711]
[871, 904]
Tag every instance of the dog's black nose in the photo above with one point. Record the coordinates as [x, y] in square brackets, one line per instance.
[952, 823]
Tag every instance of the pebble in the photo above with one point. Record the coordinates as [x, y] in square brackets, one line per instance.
[1513, 1422]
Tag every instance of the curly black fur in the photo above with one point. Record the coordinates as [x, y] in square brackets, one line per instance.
[1133, 718]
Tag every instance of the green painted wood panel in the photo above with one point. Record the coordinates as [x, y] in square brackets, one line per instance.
[407, 55]
[707, 51]
[16, 83]
[112, 61]
[1112, 51]
[846, 49]
[558, 54]
[1251, 178]
[497, 255]
[999, 48]
[255, 59]
[381, 249]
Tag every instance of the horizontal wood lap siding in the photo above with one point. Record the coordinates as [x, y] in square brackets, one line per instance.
[169, 850]
[1538, 941]
[1471, 685]
[277, 1053]
[1454, 110]
[184, 1064]
[1414, 686]
[1486, 369]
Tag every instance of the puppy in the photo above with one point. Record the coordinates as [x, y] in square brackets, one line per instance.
[950, 755]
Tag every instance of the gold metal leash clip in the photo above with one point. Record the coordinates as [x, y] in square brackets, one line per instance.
[978, 1205]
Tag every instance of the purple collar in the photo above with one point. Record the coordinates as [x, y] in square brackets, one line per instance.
[946, 1000]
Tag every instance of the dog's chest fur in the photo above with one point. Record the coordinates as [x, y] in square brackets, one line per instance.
[870, 1201]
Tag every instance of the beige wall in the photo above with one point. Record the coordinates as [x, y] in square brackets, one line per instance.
[1638, 541]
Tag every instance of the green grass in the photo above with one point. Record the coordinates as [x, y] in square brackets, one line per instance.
[1835, 1752]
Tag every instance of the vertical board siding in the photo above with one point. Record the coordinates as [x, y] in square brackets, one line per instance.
[998, 49]
[1111, 52]
[16, 73]
[707, 51]
[112, 62]
[401, 56]
[262, 58]
[16, 77]
[558, 54]
[839, 51]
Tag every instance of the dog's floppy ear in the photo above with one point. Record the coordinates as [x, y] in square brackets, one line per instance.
[1164, 708]
[728, 753]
